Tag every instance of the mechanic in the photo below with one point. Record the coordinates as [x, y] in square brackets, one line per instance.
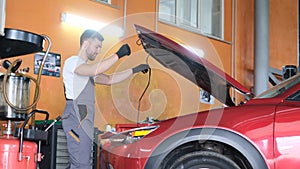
[79, 78]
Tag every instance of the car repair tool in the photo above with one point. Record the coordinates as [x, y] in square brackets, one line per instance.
[40, 156]
[74, 135]
[18, 148]
[56, 120]
[31, 134]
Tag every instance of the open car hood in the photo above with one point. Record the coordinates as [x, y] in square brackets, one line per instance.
[191, 66]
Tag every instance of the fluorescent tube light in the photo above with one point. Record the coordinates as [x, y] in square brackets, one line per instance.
[83, 22]
[87, 23]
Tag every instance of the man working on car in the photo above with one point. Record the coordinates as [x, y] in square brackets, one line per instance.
[79, 77]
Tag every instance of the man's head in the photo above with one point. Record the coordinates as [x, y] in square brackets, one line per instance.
[90, 34]
[91, 43]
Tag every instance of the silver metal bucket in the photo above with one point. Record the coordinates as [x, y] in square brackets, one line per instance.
[18, 94]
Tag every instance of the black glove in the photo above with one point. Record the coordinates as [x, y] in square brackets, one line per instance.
[141, 68]
[124, 50]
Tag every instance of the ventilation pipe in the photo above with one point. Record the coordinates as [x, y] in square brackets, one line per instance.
[2, 17]
[261, 46]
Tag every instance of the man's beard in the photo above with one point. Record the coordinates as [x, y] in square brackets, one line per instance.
[91, 57]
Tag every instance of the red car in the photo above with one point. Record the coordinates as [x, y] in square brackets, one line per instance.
[261, 133]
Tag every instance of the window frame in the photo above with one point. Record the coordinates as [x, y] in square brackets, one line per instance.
[199, 30]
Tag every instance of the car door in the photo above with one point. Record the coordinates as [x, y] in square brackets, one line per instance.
[287, 133]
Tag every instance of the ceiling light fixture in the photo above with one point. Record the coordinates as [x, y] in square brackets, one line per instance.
[87, 23]
[82, 22]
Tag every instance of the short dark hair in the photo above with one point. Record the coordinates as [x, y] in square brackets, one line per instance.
[89, 33]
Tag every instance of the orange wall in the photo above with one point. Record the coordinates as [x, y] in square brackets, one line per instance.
[283, 37]
[283, 33]
[244, 46]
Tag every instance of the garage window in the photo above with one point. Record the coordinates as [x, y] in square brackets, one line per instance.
[201, 16]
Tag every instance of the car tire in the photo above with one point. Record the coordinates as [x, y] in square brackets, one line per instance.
[204, 159]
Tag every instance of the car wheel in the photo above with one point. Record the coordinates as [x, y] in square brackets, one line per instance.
[204, 160]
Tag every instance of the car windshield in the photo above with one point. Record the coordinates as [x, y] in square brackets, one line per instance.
[280, 88]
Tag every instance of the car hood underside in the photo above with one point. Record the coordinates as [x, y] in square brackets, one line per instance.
[191, 66]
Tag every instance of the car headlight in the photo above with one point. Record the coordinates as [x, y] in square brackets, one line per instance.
[133, 135]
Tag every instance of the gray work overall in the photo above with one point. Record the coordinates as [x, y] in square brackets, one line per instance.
[78, 124]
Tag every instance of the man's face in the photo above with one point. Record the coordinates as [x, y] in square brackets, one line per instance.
[93, 48]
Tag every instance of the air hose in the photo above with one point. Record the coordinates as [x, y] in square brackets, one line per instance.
[146, 88]
[139, 43]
